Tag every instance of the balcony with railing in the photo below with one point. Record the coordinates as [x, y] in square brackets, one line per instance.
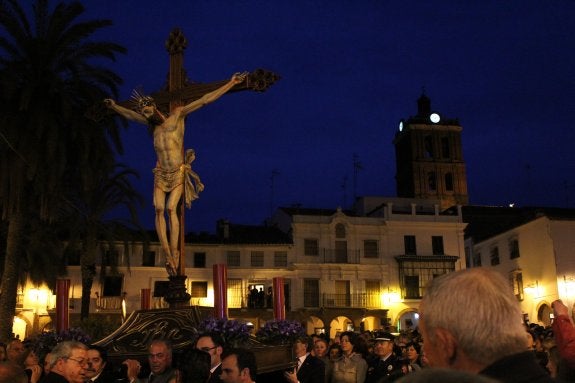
[340, 256]
[357, 300]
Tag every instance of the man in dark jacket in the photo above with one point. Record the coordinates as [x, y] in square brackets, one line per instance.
[308, 368]
[96, 372]
[213, 344]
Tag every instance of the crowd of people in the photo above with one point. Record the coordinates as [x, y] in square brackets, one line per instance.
[75, 362]
[466, 334]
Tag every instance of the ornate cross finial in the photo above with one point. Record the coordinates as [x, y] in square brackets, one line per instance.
[176, 42]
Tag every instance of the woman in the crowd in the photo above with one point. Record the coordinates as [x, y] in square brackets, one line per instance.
[351, 367]
[32, 366]
[334, 352]
[320, 349]
[413, 355]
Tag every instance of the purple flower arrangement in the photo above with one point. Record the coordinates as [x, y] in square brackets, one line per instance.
[280, 331]
[46, 341]
[233, 333]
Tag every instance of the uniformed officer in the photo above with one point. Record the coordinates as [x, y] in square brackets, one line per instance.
[384, 362]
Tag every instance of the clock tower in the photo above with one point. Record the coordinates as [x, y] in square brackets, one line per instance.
[429, 160]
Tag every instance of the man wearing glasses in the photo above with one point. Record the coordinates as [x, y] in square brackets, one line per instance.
[69, 363]
[213, 345]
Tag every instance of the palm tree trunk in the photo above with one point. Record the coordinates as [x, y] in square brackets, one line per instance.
[10, 276]
[87, 280]
[88, 268]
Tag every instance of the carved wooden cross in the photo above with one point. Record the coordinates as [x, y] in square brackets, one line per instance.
[179, 91]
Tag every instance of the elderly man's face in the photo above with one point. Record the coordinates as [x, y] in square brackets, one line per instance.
[74, 367]
[160, 358]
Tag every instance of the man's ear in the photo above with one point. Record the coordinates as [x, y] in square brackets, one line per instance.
[448, 345]
[245, 372]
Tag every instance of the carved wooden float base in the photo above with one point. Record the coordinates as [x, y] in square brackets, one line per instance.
[179, 325]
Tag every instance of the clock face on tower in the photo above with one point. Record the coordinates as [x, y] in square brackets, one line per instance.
[401, 125]
[434, 117]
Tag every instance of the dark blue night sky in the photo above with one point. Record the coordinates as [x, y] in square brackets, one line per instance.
[350, 71]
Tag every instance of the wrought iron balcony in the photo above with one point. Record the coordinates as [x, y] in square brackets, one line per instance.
[340, 256]
[358, 300]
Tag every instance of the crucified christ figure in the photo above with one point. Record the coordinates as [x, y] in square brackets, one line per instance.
[173, 167]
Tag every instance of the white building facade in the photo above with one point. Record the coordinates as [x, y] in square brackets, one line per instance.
[536, 253]
[360, 269]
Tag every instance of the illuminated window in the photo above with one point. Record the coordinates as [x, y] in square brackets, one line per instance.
[516, 279]
[235, 293]
[199, 289]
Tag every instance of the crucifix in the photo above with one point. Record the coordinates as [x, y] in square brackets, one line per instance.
[164, 112]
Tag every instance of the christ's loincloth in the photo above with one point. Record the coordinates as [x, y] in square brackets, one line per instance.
[168, 180]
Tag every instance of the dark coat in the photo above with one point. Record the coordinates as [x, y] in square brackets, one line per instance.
[105, 377]
[164, 377]
[215, 376]
[312, 370]
[52, 377]
[518, 368]
[378, 369]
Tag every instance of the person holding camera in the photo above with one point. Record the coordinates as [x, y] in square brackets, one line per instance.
[309, 369]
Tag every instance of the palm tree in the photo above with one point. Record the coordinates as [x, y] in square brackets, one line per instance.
[89, 228]
[50, 74]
